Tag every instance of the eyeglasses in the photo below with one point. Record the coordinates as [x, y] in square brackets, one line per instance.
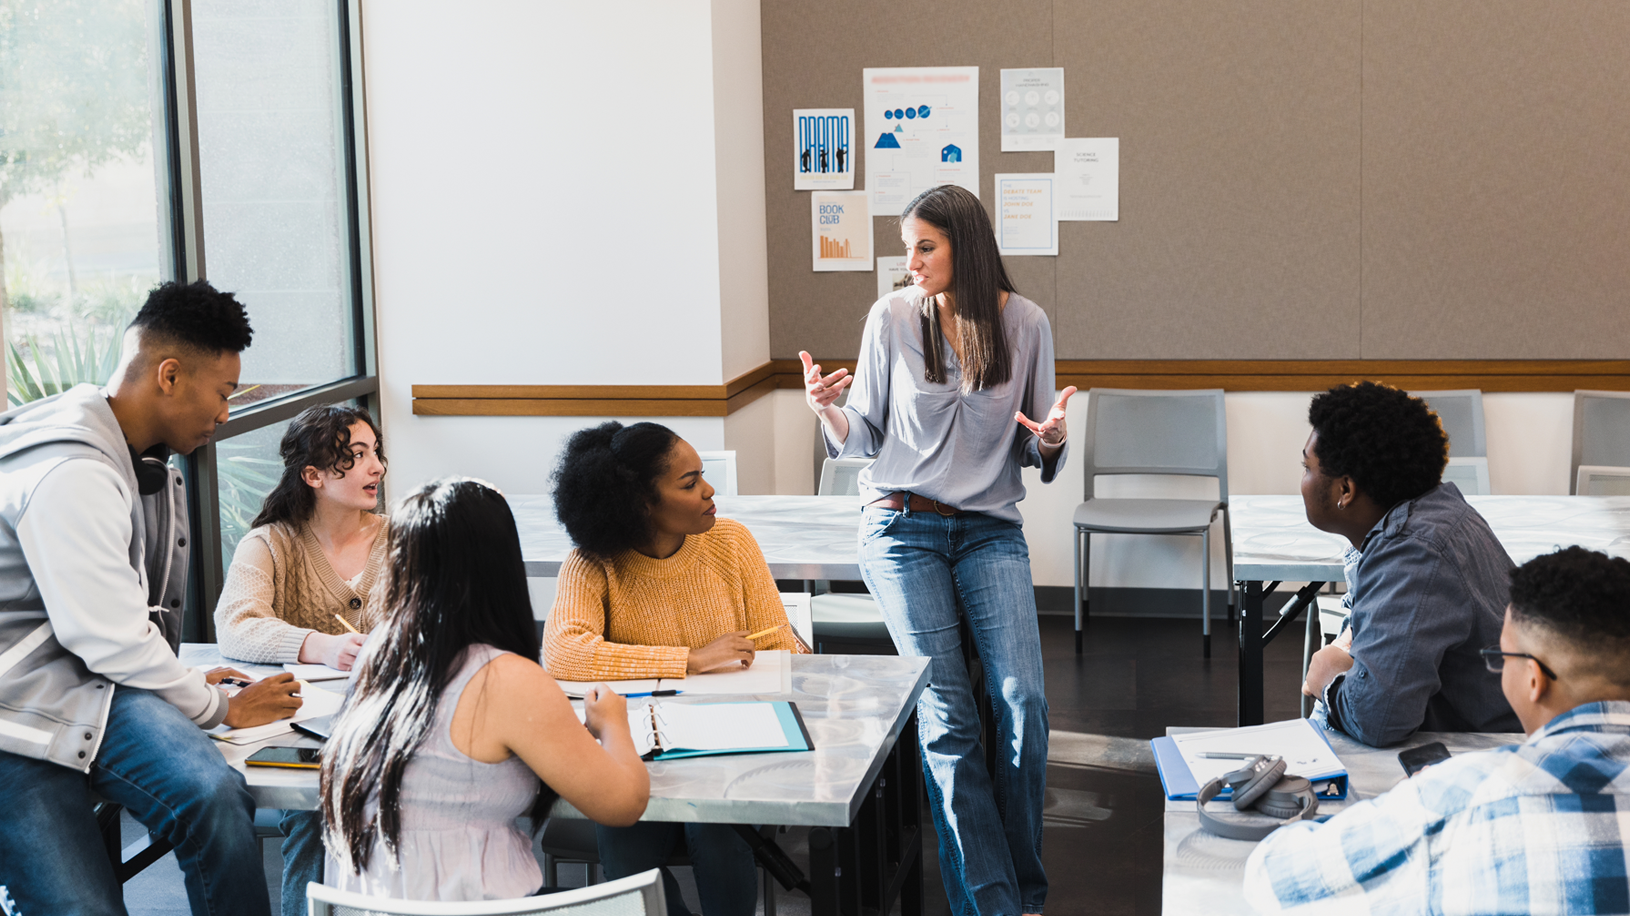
[1495, 659]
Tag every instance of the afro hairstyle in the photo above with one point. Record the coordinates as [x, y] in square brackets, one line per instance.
[606, 483]
[1389, 442]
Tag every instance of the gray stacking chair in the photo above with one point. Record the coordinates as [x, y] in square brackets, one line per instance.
[1601, 431]
[1180, 433]
[636, 895]
[1461, 412]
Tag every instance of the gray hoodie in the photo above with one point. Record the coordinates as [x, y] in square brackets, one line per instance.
[92, 575]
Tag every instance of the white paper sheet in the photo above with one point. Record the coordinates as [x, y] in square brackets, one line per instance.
[922, 131]
[719, 726]
[892, 275]
[642, 687]
[1089, 178]
[1032, 108]
[317, 702]
[771, 673]
[1305, 752]
[317, 673]
[823, 149]
[639, 725]
[840, 228]
[1024, 215]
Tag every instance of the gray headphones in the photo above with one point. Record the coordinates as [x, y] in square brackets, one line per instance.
[1260, 785]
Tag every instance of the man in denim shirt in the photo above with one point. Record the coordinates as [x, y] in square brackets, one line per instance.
[1430, 583]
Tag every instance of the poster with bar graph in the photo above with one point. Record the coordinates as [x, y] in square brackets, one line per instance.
[841, 230]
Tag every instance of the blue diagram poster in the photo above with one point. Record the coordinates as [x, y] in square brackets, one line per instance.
[823, 149]
[922, 131]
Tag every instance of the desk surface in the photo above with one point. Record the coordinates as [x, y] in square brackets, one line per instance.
[803, 537]
[1205, 873]
[1273, 540]
[854, 706]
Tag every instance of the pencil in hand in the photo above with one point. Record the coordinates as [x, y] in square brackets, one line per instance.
[346, 623]
[763, 633]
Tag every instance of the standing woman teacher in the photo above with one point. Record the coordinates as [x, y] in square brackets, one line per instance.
[951, 369]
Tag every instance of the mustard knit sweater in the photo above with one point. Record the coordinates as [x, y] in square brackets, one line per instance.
[636, 617]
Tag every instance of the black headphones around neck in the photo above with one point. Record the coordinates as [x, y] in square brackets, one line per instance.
[1259, 786]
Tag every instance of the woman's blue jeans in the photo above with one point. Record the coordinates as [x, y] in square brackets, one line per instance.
[171, 778]
[921, 567]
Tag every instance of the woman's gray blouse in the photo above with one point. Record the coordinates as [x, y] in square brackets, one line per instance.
[964, 450]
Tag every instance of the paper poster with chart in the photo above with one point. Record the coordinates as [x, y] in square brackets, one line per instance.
[1024, 215]
[823, 149]
[1089, 178]
[1032, 109]
[840, 230]
[922, 131]
[892, 275]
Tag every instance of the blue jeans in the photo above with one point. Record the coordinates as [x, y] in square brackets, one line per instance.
[171, 778]
[922, 567]
[303, 857]
[726, 875]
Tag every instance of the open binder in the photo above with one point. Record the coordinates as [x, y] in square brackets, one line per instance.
[670, 731]
[1306, 750]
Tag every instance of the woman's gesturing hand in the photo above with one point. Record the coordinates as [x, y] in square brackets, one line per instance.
[1051, 430]
[820, 392]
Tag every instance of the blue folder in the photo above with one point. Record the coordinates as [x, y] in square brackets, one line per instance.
[792, 726]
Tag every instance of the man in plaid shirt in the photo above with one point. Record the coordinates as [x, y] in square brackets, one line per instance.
[1538, 827]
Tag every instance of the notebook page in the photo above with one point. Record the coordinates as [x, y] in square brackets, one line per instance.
[1305, 751]
[771, 673]
[719, 726]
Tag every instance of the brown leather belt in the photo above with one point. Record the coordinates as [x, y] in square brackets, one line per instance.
[897, 501]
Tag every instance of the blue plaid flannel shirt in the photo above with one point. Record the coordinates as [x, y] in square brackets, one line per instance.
[1537, 827]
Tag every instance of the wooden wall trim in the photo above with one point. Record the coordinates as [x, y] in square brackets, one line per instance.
[1229, 374]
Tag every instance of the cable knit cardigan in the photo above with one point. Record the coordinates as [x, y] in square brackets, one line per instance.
[280, 588]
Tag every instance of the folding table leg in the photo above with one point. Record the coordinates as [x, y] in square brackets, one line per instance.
[1250, 655]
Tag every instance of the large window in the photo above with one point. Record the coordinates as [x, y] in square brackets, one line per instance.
[145, 140]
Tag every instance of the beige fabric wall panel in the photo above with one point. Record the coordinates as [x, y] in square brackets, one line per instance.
[1496, 179]
[1239, 127]
[813, 56]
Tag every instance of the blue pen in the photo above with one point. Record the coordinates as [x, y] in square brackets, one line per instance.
[654, 693]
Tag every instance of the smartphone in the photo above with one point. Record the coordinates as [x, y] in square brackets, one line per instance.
[1419, 758]
[299, 758]
[320, 727]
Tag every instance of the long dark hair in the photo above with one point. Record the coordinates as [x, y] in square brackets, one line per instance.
[606, 483]
[454, 578]
[320, 437]
[977, 281]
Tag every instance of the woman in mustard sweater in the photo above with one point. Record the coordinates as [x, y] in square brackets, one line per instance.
[658, 587]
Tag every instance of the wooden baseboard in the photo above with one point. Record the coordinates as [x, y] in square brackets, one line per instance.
[1228, 374]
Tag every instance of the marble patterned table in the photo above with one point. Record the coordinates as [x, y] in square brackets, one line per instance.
[856, 708]
[1273, 542]
[803, 537]
[1205, 873]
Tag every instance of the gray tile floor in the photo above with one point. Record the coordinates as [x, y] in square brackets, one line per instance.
[1102, 827]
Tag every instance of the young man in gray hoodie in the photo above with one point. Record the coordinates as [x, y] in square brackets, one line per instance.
[93, 568]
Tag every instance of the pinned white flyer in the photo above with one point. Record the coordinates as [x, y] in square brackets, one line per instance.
[823, 149]
[1024, 215]
[1032, 109]
[1089, 178]
[892, 275]
[841, 230]
[922, 131]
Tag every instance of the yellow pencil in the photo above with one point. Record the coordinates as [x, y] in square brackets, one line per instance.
[766, 632]
[346, 623]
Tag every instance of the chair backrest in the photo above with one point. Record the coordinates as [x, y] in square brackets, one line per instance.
[1461, 412]
[1156, 432]
[1471, 475]
[800, 613]
[1597, 480]
[841, 476]
[719, 468]
[1601, 430]
[636, 895]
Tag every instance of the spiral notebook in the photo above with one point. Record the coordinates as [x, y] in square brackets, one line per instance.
[670, 731]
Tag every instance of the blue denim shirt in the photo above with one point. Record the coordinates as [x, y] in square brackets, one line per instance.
[1429, 589]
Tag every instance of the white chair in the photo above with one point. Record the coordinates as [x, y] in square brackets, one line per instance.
[719, 468]
[1178, 433]
[845, 617]
[1596, 480]
[797, 606]
[1461, 413]
[636, 895]
[1601, 431]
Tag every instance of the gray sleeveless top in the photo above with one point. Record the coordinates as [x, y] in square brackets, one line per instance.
[459, 838]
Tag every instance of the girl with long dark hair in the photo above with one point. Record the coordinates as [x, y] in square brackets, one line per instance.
[311, 556]
[658, 586]
[951, 369]
[450, 723]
